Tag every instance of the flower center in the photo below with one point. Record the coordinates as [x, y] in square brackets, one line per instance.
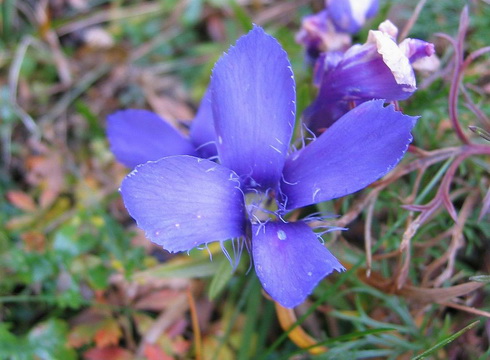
[260, 206]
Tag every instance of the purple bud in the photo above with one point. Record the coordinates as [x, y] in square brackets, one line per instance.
[319, 35]
[350, 15]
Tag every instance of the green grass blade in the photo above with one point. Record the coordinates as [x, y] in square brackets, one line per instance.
[180, 268]
[220, 279]
[445, 341]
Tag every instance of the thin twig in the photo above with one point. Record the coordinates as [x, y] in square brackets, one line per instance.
[161, 38]
[486, 205]
[102, 16]
[457, 77]
[282, 9]
[413, 19]
[457, 241]
[368, 235]
[166, 318]
[484, 120]
[195, 325]
[74, 93]
[44, 25]
[14, 73]
[288, 321]
[468, 309]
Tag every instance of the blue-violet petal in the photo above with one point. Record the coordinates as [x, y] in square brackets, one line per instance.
[253, 100]
[350, 15]
[137, 136]
[290, 260]
[182, 202]
[358, 149]
[202, 132]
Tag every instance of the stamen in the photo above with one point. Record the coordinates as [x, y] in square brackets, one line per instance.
[319, 216]
[249, 250]
[313, 138]
[302, 135]
[212, 158]
[287, 182]
[329, 229]
[238, 250]
[239, 188]
[284, 202]
[237, 245]
[276, 149]
[212, 142]
[281, 218]
[209, 252]
[225, 251]
[317, 190]
[261, 227]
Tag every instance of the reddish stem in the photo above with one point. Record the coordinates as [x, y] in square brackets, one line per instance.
[457, 75]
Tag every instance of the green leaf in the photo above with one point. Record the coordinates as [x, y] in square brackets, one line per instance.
[12, 347]
[180, 268]
[70, 241]
[40, 268]
[223, 275]
[192, 12]
[446, 341]
[241, 16]
[480, 132]
[70, 298]
[65, 240]
[249, 331]
[94, 123]
[481, 278]
[99, 277]
[49, 341]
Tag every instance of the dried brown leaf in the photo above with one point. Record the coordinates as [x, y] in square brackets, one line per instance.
[170, 108]
[34, 241]
[166, 318]
[424, 295]
[81, 335]
[155, 352]
[47, 172]
[112, 353]
[157, 300]
[438, 295]
[19, 222]
[486, 206]
[21, 200]
[108, 333]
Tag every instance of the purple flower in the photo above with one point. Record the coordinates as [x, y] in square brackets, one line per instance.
[318, 35]
[331, 29]
[137, 136]
[378, 69]
[416, 49]
[350, 15]
[183, 202]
